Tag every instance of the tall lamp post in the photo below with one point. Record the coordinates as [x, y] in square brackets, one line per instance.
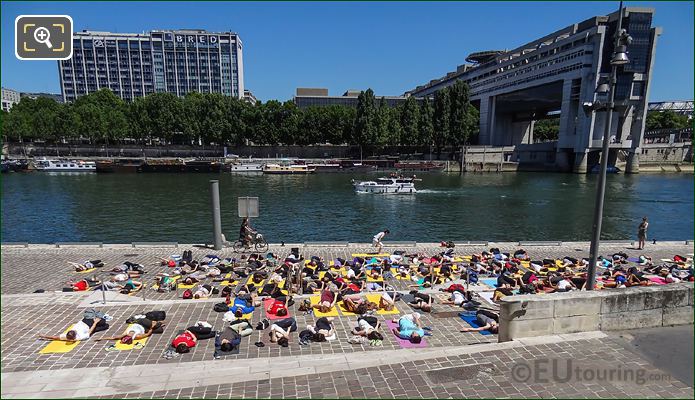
[622, 39]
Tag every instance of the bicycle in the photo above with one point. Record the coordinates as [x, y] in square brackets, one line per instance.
[257, 241]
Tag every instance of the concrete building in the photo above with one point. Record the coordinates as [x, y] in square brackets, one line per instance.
[560, 72]
[249, 97]
[55, 96]
[137, 64]
[318, 97]
[9, 98]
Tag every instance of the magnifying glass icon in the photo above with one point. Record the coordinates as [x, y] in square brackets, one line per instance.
[43, 35]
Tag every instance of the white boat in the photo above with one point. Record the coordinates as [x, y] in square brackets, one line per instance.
[47, 165]
[289, 169]
[394, 185]
[246, 168]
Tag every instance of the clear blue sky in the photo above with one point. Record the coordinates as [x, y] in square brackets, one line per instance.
[390, 47]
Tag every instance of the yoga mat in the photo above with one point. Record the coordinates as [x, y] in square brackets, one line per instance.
[406, 344]
[487, 296]
[374, 298]
[364, 255]
[492, 282]
[140, 343]
[266, 306]
[59, 346]
[658, 280]
[370, 279]
[182, 286]
[345, 312]
[633, 259]
[333, 312]
[472, 321]
[155, 286]
[86, 270]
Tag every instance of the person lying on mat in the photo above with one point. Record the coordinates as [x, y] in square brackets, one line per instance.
[368, 326]
[488, 321]
[280, 331]
[323, 329]
[131, 286]
[408, 329]
[278, 307]
[82, 285]
[184, 341]
[522, 255]
[203, 292]
[227, 341]
[241, 304]
[327, 301]
[133, 270]
[501, 292]
[86, 265]
[111, 284]
[388, 302]
[358, 305]
[140, 329]
[81, 330]
[421, 301]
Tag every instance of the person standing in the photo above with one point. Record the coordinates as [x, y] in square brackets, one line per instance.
[642, 233]
[376, 240]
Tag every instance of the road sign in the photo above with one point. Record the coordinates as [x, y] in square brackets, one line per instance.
[248, 207]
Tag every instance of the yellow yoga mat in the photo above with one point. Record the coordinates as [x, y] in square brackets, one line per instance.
[183, 286]
[332, 313]
[343, 310]
[379, 279]
[363, 255]
[59, 346]
[402, 278]
[140, 343]
[374, 298]
[227, 282]
[86, 271]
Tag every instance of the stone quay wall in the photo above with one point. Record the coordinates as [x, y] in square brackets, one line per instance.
[604, 310]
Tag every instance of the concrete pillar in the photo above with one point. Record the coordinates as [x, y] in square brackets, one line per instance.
[562, 161]
[632, 163]
[485, 128]
[580, 163]
[567, 113]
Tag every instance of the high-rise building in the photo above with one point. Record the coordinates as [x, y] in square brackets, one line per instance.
[137, 64]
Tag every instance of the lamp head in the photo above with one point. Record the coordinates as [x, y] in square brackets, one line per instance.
[620, 56]
[603, 88]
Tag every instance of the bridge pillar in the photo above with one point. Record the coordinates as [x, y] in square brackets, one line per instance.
[487, 120]
[632, 163]
[580, 163]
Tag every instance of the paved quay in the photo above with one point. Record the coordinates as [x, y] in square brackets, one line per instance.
[332, 369]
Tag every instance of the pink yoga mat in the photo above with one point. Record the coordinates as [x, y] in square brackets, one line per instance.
[658, 280]
[406, 344]
[266, 305]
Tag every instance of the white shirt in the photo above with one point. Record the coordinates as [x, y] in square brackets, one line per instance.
[81, 329]
[563, 284]
[379, 236]
[137, 329]
[364, 326]
[457, 297]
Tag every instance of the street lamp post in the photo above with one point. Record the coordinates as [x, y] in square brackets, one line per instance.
[619, 58]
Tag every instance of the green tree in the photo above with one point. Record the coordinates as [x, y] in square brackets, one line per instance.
[409, 121]
[365, 120]
[165, 114]
[667, 119]
[442, 108]
[381, 123]
[546, 129]
[425, 127]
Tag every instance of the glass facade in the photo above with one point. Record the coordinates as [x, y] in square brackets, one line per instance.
[135, 65]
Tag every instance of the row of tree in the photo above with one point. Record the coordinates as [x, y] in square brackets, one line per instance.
[449, 119]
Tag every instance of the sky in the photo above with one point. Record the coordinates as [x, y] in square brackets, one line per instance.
[388, 46]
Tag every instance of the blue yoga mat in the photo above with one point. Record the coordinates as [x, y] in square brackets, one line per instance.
[492, 282]
[471, 320]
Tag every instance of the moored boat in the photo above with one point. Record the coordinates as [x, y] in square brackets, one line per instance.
[124, 165]
[246, 168]
[289, 169]
[47, 165]
[423, 166]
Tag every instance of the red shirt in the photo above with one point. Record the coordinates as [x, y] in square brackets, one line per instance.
[276, 306]
[81, 285]
[186, 337]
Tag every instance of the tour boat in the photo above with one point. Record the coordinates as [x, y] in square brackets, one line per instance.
[288, 169]
[242, 168]
[47, 165]
[391, 185]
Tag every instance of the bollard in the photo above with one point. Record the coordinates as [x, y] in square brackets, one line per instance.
[103, 293]
[216, 218]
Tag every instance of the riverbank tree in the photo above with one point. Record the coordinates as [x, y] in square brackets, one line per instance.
[448, 119]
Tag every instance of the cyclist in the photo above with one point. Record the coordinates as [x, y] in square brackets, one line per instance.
[246, 233]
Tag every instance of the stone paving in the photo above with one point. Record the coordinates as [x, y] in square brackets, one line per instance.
[24, 315]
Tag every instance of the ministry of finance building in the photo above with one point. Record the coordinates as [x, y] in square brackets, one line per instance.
[137, 64]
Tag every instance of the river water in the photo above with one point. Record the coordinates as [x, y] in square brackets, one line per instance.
[121, 208]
